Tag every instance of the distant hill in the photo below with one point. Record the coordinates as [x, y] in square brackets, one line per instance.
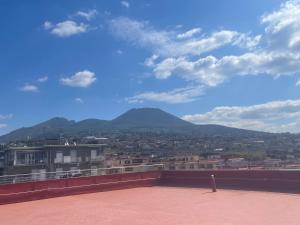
[134, 120]
[50, 128]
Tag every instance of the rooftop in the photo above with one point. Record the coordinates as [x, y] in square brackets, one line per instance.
[159, 205]
[60, 146]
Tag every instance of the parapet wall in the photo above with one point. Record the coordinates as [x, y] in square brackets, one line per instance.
[284, 181]
[268, 180]
[20, 192]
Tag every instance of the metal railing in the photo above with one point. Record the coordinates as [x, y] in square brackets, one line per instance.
[32, 177]
[188, 166]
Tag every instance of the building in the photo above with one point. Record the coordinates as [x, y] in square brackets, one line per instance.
[196, 165]
[272, 163]
[126, 161]
[53, 158]
[236, 163]
[1, 161]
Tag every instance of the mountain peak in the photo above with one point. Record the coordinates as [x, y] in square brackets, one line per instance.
[57, 122]
[149, 117]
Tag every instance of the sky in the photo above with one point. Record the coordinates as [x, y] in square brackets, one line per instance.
[234, 63]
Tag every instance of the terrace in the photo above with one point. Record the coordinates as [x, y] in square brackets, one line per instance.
[155, 196]
[159, 205]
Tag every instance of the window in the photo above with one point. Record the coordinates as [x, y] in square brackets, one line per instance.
[30, 158]
[59, 157]
[73, 154]
[93, 155]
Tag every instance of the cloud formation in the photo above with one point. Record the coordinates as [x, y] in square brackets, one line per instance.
[29, 88]
[5, 117]
[80, 79]
[179, 95]
[79, 100]
[283, 26]
[125, 4]
[189, 33]
[43, 79]
[189, 55]
[275, 116]
[279, 57]
[88, 15]
[212, 71]
[66, 28]
[165, 43]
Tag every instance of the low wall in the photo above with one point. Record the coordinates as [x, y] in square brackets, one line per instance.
[13, 193]
[268, 180]
[283, 181]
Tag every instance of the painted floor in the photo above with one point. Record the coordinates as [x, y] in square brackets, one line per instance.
[159, 206]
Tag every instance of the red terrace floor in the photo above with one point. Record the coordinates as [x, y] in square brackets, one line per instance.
[159, 206]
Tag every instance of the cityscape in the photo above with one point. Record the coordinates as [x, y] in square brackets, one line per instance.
[145, 145]
[146, 112]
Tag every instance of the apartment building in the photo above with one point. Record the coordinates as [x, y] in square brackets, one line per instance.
[53, 158]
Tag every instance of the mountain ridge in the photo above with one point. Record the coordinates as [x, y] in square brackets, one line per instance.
[134, 120]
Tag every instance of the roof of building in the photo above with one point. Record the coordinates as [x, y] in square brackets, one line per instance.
[159, 205]
[54, 146]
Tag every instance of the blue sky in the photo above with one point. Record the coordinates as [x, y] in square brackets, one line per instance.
[234, 63]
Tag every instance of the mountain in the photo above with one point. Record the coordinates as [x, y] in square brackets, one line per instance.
[148, 118]
[50, 128]
[134, 120]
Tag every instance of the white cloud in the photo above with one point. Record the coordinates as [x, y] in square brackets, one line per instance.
[138, 33]
[189, 33]
[66, 28]
[208, 43]
[275, 116]
[275, 52]
[179, 95]
[80, 79]
[79, 100]
[247, 41]
[190, 71]
[48, 25]
[166, 43]
[43, 79]
[281, 56]
[150, 62]
[212, 71]
[29, 88]
[171, 43]
[5, 117]
[125, 4]
[283, 26]
[88, 15]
